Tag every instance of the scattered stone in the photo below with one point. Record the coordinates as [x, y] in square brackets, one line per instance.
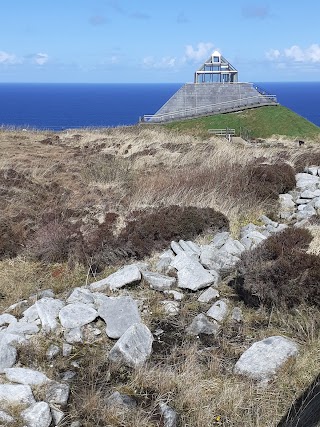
[158, 282]
[286, 202]
[208, 295]
[305, 180]
[48, 309]
[57, 415]
[5, 418]
[22, 328]
[16, 394]
[177, 296]
[6, 319]
[220, 239]
[119, 313]
[177, 249]
[26, 376]
[264, 358]
[171, 307]
[218, 311]
[68, 375]
[77, 315]
[66, 349]
[73, 336]
[38, 415]
[122, 400]
[31, 314]
[128, 275]
[21, 305]
[52, 351]
[237, 314]
[252, 239]
[202, 325]
[8, 356]
[168, 415]
[58, 394]
[232, 247]
[134, 347]
[81, 295]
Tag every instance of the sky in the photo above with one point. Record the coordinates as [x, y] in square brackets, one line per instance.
[149, 41]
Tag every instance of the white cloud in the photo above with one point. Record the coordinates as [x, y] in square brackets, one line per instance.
[273, 54]
[162, 63]
[296, 54]
[41, 58]
[8, 58]
[199, 53]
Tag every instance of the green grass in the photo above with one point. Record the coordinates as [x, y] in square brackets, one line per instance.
[262, 122]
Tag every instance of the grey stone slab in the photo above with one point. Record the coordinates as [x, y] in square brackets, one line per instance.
[267, 221]
[177, 296]
[52, 352]
[58, 393]
[233, 247]
[37, 415]
[202, 325]
[209, 257]
[218, 311]
[26, 376]
[237, 314]
[15, 394]
[30, 314]
[313, 170]
[262, 360]
[81, 295]
[22, 328]
[305, 180]
[286, 202]
[168, 415]
[309, 194]
[134, 347]
[6, 319]
[208, 295]
[119, 313]
[220, 239]
[76, 315]
[128, 275]
[8, 356]
[252, 239]
[248, 229]
[157, 281]
[48, 309]
[57, 415]
[73, 336]
[177, 249]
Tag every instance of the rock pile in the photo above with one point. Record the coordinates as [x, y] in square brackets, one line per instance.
[185, 267]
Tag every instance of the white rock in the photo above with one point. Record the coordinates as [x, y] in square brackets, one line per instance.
[81, 295]
[15, 394]
[119, 313]
[168, 415]
[57, 415]
[171, 307]
[157, 281]
[48, 309]
[264, 358]
[308, 194]
[128, 275]
[233, 247]
[218, 311]
[177, 249]
[22, 328]
[52, 351]
[220, 239]
[8, 356]
[77, 315]
[237, 314]
[286, 202]
[26, 376]
[58, 394]
[202, 325]
[252, 239]
[73, 335]
[313, 170]
[66, 349]
[121, 400]
[177, 296]
[31, 314]
[305, 180]
[134, 347]
[208, 295]
[191, 274]
[6, 319]
[37, 415]
[5, 418]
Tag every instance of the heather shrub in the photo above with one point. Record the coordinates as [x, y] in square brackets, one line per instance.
[307, 159]
[11, 237]
[154, 229]
[279, 272]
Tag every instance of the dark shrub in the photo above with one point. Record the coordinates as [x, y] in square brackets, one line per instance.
[11, 237]
[268, 181]
[279, 272]
[155, 228]
[307, 159]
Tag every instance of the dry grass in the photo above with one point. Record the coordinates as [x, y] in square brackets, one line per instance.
[78, 180]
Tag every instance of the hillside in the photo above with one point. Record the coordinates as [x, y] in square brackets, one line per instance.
[263, 122]
[78, 205]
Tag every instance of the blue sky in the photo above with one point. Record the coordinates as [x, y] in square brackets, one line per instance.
[145, 41]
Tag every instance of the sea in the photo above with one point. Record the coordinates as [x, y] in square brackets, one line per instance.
[56, 106]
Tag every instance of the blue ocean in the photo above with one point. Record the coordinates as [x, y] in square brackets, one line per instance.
[63, 106]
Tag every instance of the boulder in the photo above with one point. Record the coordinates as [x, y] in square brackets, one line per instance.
[26, 376]
[6, 319]
[73, 335]
[218, 311]
[38, 415]
[262, 360]
[48, 309]
[30, 314]
[208, 295]
[76, 315]
[158, 282]
[119, 313]
[305, 180]
[252, 239]
[232, 247]
[81, 295]
[8, 356]
[286, 202]
[22, 328]
[202, 325]
[134, 347]
[15, 394]
[57, 393]
[220, 239]
[128, 275]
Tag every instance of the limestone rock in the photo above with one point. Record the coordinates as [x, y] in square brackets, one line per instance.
[252, 239]
[208, 295]
[73, 335]
[81, 295]
[31, 314]
[218, 311]
[264, 358]
[134, 347]
[286, 202]
[48, 309]
[15, 394]
[220, 239]
[119, 313]
[202, 325]
[168, 415]
[305, 180]
[6, 319]
[26, 376]
[38, 415]
[237, 314]
[8, 356]
[128, 275]
[52, 352]
[122, 400]
[58, 394]
[171, 307]
[22, 328]
[5, 418]
[76, 315]
[177, 296]
[157, 281]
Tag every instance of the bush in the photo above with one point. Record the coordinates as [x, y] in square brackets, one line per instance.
[307, 159]
[279, 272]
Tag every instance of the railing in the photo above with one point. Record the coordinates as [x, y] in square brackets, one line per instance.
[220, 107]
[223, 132]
